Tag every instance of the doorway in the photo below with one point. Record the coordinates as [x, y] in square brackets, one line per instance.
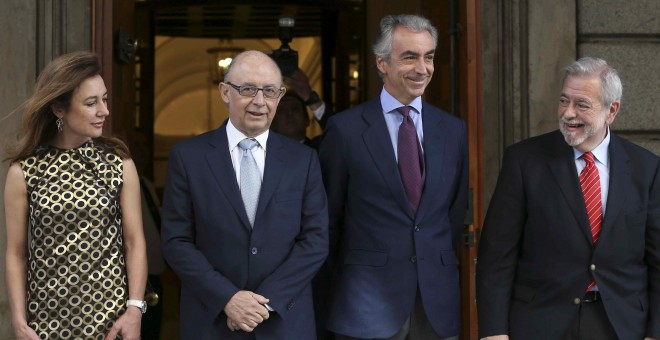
[333, 40]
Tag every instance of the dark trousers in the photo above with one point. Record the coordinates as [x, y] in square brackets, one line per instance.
[321, 293]
[151, 320]
[416, 327]
[591, 324]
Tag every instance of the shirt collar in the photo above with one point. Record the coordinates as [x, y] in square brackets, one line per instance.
[390, 103]
[234, 136]
[600, 152]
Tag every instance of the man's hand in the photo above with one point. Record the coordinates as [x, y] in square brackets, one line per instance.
[300, 84]
[245, 310]
[496, 337]
[232, 325]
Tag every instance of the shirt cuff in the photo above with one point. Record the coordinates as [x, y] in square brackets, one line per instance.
[318, 113]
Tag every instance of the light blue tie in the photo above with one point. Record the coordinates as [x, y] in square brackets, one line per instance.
[250, 178]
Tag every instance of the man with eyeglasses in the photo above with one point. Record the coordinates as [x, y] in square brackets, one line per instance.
[245, 217]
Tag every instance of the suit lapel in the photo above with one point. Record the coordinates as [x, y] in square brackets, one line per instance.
[434, 150]
[377, 140]
[562, 166]
[222, 169]
[620, 173]
[273, 170]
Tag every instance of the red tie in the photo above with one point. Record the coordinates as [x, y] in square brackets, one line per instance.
[411, 162]
[590, 182]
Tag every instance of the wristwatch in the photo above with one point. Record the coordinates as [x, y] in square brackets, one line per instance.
[313, 98]
[142, 305]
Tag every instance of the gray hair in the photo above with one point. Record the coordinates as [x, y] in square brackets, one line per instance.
[415, 23]
[611, 89]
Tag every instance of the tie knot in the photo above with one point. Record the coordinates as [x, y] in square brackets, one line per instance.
[247, 144]
[404, 110]
[588, 157]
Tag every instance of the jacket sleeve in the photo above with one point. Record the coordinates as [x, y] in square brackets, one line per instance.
[653, 256]
[310, 248]
[499, 247]
[178, 232]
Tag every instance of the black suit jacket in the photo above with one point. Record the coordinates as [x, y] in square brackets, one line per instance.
[536, 251]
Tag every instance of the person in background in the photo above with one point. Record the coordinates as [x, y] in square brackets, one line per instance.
[291, 120]
[299, 83]
[244, 218]
[570, 247]
[396, 172]
[76, 260]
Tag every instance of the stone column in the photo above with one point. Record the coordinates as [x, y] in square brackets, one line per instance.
[31, 34]
[18, 68]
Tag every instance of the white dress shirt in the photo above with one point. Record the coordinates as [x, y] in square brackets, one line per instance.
[259, 152]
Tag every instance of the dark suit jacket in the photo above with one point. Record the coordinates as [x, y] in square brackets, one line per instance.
[536, 248]
[208, 242]
[380, 251]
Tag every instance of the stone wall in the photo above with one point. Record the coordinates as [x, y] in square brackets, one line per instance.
[18, 69]
[32, 33]
[525, 45]
[627, 35]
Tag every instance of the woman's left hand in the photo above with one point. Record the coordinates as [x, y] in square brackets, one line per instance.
[128, 325]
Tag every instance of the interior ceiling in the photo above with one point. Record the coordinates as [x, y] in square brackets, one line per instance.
[244, 21]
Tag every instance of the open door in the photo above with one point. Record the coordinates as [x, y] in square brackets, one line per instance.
[125, 57]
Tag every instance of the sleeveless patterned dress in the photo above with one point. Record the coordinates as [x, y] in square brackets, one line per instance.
[76, 279]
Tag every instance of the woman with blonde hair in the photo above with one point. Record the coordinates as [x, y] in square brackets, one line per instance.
[76, 258]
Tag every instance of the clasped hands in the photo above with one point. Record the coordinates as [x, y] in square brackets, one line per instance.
[245, 310]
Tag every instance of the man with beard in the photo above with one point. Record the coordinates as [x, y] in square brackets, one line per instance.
[571, 242]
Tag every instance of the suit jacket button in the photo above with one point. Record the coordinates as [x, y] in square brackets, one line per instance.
[254, 251]
[413, 259]
[416, 228]
[290, 305]
[593, 267]
[576, 301]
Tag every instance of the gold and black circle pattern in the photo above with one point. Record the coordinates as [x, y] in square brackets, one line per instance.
[76, 280]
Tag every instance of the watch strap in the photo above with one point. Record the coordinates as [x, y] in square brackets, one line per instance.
[142, 305]
[313, 98]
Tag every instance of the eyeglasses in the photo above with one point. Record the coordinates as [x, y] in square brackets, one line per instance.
[270, 92]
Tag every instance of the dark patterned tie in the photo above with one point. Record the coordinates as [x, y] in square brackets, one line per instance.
[411, 160]
[590, 183]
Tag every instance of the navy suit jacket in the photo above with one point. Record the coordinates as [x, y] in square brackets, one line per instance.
[208, 241]
[536, 251]
[380, 251]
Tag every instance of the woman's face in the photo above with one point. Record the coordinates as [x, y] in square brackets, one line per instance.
[85, 116]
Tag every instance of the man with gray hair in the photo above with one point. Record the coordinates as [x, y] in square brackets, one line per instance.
[571, 242]
[396, 173]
